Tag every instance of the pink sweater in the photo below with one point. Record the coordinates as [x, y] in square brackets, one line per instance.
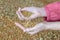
[53, 11]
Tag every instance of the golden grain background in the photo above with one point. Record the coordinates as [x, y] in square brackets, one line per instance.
[9, 31]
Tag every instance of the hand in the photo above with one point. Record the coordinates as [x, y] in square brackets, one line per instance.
[34, 10]
[37, 28]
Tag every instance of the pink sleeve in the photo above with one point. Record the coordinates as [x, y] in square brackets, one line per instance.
[53, 11]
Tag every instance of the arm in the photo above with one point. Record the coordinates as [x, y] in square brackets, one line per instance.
[40, 27]
[53, 25]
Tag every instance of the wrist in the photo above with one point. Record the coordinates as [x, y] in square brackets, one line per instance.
[43, 12]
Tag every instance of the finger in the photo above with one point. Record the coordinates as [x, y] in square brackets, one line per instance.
[19, 15]
[29, 9]
[20, 26]
[25, 8]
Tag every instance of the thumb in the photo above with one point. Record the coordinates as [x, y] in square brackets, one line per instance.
[28, 9]
[25, 8]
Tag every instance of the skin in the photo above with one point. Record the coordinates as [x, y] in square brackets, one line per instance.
[38, 27]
